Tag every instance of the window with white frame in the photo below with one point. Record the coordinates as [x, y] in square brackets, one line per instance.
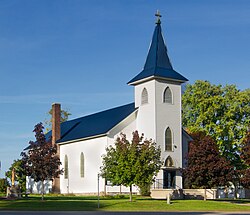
[82, 165]
[167, 96]
[168, 140]
[66, 167]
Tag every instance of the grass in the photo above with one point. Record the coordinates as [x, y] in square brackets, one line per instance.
[80, 203]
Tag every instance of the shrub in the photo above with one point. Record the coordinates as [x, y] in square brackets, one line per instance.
[3, 185]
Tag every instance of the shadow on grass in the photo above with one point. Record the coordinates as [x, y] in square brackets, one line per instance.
[48, 205]
[62, 203]
[236, 201]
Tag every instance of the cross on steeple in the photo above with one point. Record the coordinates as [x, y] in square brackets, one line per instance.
[158, 15]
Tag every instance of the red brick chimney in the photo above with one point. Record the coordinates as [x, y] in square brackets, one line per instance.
[56, 127]
[56, 135]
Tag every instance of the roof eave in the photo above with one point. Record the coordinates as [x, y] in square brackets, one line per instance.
[82, 139]
[133, 83]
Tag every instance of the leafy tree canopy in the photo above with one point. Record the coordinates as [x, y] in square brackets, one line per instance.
[48, 122]
[222, 112]
[41, 161]
[131, 163]
[20, 174]
[206, 167]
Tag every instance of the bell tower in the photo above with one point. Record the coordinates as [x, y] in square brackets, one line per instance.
[158, 99]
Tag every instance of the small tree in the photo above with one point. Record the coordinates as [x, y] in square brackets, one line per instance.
[20, 176]
[41, 161]
[131, 163]
[206, 167]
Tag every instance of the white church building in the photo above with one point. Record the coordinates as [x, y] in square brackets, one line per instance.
[155, 112]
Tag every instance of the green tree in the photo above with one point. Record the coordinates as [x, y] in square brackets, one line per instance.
[131, 163]
[41, 161]
[221, 112]
[20, 176]
[48, 121]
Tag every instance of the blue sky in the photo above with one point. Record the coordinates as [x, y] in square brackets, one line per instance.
[82, 53]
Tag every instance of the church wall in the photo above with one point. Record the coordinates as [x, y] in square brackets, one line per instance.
[155, 117]
[169, 115]
[127, 126]
[92, 149]
[146, 112]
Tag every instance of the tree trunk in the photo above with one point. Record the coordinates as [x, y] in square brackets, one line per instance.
[42, 190]
[130, 198]
[205, 194]
[235, 190]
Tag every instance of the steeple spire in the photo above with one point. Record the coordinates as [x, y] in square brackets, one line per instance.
[157, 55]
[157, 64]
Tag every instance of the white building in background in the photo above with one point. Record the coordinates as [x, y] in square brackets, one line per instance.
[156, 112]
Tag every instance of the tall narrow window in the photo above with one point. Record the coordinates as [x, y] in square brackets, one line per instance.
[66, 167]
[167, 96]
[144, 96]
[168, 140]
[82, 165]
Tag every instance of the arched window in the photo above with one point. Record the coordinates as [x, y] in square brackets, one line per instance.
[169, 162]
[144, 96]
[167, 96]
[66, 167]
[168, 140]
[82, 165]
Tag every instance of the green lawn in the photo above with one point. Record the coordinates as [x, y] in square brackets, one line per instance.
[74, 203]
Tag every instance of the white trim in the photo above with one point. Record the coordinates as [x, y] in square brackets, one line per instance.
[155, 77]
[82, 139]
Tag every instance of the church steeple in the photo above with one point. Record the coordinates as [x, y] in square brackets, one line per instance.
[157, 64]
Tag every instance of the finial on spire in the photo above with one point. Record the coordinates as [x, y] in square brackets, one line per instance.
[158, 15]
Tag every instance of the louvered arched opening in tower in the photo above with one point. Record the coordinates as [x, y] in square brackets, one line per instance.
[167, 96]
[169, 162]
[66, 167]
[168, 140]
[144, 96]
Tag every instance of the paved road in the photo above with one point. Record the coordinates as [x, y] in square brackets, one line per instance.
[116, 213]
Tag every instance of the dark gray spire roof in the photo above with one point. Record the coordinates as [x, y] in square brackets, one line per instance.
[157, 63]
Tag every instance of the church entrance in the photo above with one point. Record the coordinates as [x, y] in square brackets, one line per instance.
[169, 179]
